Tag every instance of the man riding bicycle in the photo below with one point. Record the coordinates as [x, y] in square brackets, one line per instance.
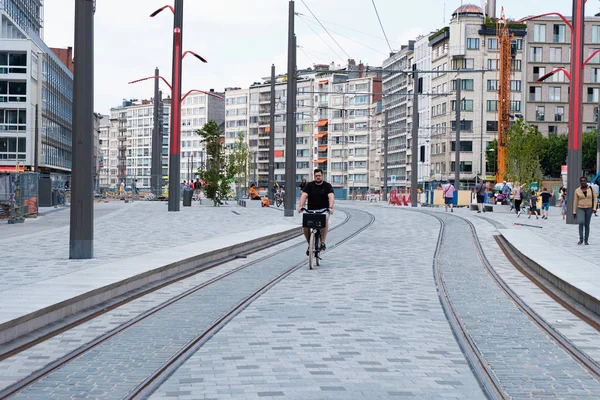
[320, 198]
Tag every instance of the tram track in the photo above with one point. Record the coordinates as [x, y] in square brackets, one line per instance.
[153, 381]
[482, 369]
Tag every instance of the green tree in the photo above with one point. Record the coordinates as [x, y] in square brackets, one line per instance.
[491, 154]
[554, 154]
[239, 156]
[524, 147]
[589, 150]
[219, 172]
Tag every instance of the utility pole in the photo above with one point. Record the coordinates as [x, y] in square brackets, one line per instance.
[457, 144]
[386, 133]
[290, 130]
[272, 137]
[574, 155]
[156, 164]
[175, 140]
[81, 237]
[414, 173]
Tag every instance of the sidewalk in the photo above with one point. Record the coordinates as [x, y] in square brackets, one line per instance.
[135, 244]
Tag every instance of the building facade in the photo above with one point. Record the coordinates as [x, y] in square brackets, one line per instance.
[548, 47]
[471, 46]
[37, 91]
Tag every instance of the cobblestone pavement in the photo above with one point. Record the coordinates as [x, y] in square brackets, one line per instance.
[25, 363]
[527, 362]
[366, 325]
[112, 369]
[122, 230]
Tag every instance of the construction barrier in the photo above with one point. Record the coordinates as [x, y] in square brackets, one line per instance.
[18, 195]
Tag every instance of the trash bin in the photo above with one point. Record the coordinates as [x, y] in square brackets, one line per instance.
[187, 197]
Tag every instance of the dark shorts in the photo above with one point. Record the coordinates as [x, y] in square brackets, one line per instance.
[480, 199]
[448, 200]
[545, 206]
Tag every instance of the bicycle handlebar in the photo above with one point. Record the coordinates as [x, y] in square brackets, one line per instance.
[314, 211]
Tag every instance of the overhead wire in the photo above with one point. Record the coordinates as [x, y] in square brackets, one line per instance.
[380, 24]
[323, 26]
[349, 38]
[306, 54]
[323, 40]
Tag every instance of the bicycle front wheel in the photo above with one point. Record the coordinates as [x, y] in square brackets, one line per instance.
[311, 250]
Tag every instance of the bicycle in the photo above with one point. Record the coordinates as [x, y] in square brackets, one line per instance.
[315, 221]
[278, 199]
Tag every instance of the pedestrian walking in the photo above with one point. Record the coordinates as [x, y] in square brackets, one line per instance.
[197, 188]
[448, 190]
[122, 190]
[518, 196]
[546, 196]
[480, 194]
[506, 193]
[585, 203]
[563, 202]
[533, 206]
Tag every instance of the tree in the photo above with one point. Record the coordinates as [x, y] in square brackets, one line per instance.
[554, 154]
[239, 156]
[524, 147]
[491, 154]
[218, 172]
[589, 150]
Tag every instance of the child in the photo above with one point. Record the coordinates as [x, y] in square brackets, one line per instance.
[533, 206]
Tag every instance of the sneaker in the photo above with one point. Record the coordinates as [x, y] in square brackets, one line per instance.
[478, 212]
[323, 247]
[452, 210]
[307, 251]
[580, 242]
[586, 243]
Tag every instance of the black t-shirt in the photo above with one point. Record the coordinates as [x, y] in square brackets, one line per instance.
[318, 195]
[546, 197]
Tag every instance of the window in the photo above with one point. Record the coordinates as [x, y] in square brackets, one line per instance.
[539, 32]
[492, 126]
[493, 44]
[515, 86]
[8, 148]
[553, 129]
[466, 105]
[596, 58]
[492, 85]
[13, 63]
[555, 54]
[593, 95]
[595, 33]
[492, 105]
[467, 84]
[558, 76]
[538, 72]
[13, 120]
[553, 94]
[472, 44]
[515, 65]
[515, 105]
[558, 33]
[559, 114]
[13, 91]
[464, 126]
[463, 63]
[540, 111]
[466, 145]
[465, 166]
[492, 64]
[536, 54]
[596, 75]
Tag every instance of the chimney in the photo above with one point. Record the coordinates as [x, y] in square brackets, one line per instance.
[491, 9]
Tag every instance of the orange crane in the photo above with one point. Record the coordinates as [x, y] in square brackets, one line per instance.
[505, 39]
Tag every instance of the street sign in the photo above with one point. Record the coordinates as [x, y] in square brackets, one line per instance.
[393, 178]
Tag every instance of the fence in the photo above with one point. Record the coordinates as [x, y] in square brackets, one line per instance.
[18, 196]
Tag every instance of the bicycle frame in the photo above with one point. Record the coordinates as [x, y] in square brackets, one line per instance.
[314, 224]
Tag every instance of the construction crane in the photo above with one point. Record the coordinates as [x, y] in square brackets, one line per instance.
[507, 52]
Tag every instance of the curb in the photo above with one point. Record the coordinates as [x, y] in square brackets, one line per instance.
[87, 303]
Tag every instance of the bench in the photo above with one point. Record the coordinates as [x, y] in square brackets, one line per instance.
[250, 203]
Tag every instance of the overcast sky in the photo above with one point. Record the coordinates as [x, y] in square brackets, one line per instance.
[242, 38]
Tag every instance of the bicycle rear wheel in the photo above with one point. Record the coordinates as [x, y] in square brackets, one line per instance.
[278, 202]
[311, 246]
[317, 247]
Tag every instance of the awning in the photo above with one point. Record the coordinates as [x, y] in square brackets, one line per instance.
[321, 134]
[322, 147]
[322, 122]
[268, 129]
[323, 82]
[11, 168]
[321, 160]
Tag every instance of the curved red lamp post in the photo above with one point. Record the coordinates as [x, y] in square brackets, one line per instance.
[574, 157]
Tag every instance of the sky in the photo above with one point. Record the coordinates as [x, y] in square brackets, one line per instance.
[242, 38]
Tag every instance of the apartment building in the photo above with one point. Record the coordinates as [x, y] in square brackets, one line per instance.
[36, 93]
[548, 47]
[237, 107]
[470, 45]
[397, 102]
[376, 148]
[422, 61]
[351, 118]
